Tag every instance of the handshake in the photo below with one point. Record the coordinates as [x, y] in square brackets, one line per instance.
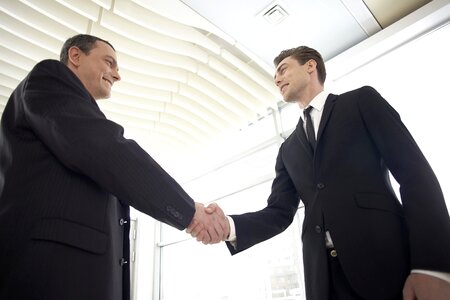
[209, 224]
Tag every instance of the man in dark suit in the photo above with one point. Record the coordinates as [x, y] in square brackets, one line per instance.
[67, 179]
[359, 241]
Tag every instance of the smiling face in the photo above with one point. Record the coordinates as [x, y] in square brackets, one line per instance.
[97, 70]
[292, 78]
[298, 82]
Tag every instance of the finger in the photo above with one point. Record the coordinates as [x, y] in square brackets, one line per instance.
[200, 236]
[226, 230]
[222, 220]
[196, 219]
[206, 241]
[191, 226]
[197, 229]
[216, 231]
[214, 234]
[213, 228]
[204, 237]
[225, 226]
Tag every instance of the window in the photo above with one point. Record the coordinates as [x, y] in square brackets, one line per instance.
[270, 270]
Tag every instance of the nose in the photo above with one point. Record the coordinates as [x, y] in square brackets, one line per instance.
[277, 79]
[116, 75]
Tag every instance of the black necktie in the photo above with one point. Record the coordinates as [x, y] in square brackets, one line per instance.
[310, 128]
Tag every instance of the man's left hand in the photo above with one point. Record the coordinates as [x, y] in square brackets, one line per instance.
[425, 287]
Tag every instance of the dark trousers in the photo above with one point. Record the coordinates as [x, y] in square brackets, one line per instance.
[340, 288]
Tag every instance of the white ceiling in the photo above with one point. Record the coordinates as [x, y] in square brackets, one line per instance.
[193, 71]
[328, 26]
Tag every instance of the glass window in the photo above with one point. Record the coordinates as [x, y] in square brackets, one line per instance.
[270, 270]
[226, 180]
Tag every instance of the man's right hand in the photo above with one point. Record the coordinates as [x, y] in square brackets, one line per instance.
[209, 224]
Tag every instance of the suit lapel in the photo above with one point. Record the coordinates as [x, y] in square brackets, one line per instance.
[301, 135]
[329, 103]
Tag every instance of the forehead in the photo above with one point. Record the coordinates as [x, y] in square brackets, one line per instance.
[103, 48]
[285, 62]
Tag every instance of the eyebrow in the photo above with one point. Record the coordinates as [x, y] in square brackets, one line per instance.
[278, 69]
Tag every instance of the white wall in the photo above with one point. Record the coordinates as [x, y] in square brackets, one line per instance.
[414, 80]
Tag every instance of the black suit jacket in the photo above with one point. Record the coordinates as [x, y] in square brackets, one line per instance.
[346, 190]
[67, 178]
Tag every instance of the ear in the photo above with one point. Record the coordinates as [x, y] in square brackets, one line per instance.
[74, 54]
[312, 64]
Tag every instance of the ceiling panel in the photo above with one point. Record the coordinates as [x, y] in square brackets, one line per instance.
[388, 12]
[325, 25]
[177, 82]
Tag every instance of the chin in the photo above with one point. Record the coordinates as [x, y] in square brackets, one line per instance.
[106, 95]
[102, 97]
[289, 100]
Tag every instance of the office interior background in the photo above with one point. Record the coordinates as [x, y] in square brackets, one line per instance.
[197, 93]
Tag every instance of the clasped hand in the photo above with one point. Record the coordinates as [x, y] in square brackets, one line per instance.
[209, 224]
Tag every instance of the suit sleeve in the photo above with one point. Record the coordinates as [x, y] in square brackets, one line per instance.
[282, 205]
[422, 198]
[67, 120]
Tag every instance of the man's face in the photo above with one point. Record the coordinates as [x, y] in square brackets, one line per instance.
[292, 78]
[98, 70]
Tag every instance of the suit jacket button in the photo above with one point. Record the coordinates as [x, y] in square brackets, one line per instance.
[320, 186]
[122, 262]
[333, 253]
[122, 221]
[318, 229]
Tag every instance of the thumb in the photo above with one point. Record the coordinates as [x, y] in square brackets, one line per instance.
[211, 208]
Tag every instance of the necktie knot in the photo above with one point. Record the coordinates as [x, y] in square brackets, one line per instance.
[307, 110]
[310, 128]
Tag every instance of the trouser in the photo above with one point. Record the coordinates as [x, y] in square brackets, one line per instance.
[340, 288]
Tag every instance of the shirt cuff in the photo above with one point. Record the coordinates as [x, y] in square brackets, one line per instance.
[441, 275]
[232, 235]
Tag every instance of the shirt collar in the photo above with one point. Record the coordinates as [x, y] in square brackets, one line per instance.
[318, 102]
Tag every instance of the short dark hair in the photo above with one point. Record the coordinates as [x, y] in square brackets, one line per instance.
[303, 54]
[84, 42]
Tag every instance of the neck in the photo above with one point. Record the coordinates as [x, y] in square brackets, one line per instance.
[307, 97]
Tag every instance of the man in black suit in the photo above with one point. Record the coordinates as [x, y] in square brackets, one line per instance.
[359, 241]
[67, 179]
